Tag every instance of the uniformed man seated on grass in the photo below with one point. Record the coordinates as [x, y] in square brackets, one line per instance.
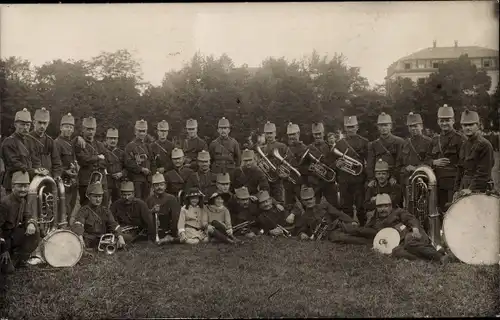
[166, 206]
[271, 216]
[133, 214]
[415, 243]
[94, 220]
[19, 235]
[244, 210]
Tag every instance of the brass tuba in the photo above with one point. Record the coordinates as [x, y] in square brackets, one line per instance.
[292, 174]
[347, 164]
[317, 167]
[421, 201]
[266, 166]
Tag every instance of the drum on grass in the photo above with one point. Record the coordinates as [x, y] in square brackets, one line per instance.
[62, 248]
[471, 227]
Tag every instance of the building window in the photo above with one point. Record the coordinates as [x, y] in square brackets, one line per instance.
[407, 66]
[486, 63]
[421, 64]
[435, 65]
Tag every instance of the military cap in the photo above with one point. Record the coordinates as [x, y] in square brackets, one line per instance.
[381, 165]
[382, 198]
[23, 115]
[263, 195]
[192, 123]
[247, 155]
[223, 123]
[223, 178]
[42, 115]
[141, 125]
[89, 122]
[306, 193]
[68, 119]
[384, 118]
[242, 193]
[20, 177]
[204, 155]
[162, 125]
[350, 121]
[317, 127]
[469, 117]
[292, 128]
[95, 188]
[177, 153]
[112, 133]
[269, 127]
[157, 178]
[127, 186]
[413, 118]
[446, 112]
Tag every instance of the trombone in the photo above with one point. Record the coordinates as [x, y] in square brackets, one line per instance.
[285, 168]
[317, 167]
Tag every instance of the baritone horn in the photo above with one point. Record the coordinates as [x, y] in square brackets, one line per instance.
[267, 166]
[317, 167]
[285, 168]
[347, 164]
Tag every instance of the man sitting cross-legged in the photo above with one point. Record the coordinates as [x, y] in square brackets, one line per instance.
[271, 216]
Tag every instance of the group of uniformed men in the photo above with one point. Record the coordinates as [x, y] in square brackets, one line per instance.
[352, 209]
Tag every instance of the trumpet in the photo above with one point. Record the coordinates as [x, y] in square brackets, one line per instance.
[320, 230]
[285, 168]
[317, 167]
[107, 243]
[347, 164]
[267, 166]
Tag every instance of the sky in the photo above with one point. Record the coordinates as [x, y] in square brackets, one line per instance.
[162, 37]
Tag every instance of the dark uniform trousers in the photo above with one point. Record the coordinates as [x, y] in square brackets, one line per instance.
[67, 155]
[352, 191]
[116, 162]
[20, 245]
[445, 146]
[133, 152]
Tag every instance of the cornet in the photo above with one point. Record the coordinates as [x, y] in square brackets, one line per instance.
[292, 174]
[320, 230]
[347, 164]
[320, 169]
[107, 243]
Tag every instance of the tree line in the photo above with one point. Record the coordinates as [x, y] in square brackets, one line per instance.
[110, 87]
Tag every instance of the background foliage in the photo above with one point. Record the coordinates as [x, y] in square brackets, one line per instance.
[111, 88]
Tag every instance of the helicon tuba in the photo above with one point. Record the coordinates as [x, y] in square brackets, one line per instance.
[285, 168]
[266, 166]
[315, 165]
[421, 201]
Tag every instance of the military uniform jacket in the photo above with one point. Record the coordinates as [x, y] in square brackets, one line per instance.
[177, 179]
[133, 213]
[191, 147]
[205, 181]
[95, 221]
[116, 163]
[297, 148]
[13, 214]
[319, 148]
[475, 164]
[253, 178]
[445, 146]
[395, 192]
[17, 156]
[357, 148]
[225, 154]
[46, 150]
[133, 151]
[312, 217]
[396, 216]
[161, 151]
[66, 153]
[89, 162]
[389, 150]
[240, 214]
[170, 209]
[413, 153]
[268, 220]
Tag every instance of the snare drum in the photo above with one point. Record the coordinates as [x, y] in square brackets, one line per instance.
[471, 227]
[386, 240]
[62, 248]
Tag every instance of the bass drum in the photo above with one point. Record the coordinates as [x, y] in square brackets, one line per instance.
[62, 248]
[471, 229]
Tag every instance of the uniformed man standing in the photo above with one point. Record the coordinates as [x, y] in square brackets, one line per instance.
[387, 147]
[19, 235]
[44, 145]
[16, 151]
[249, 175]
[161, 150]
[476, 157]
[352, 188]
[203, 178]
[443, 156]
[177, 178]
[298, 148]
[319, 149]
[116, 164]
[138, 161]
[193, 145]
[69, 164]
[225, 150]
[92, 160]
[414, 148]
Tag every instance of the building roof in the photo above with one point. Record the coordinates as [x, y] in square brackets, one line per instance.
[451, 53]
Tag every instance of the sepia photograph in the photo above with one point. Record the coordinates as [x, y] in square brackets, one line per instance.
[249, 160]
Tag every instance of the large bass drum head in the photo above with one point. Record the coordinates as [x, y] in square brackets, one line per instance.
[471, 227]
[386, 240]
[62, 248]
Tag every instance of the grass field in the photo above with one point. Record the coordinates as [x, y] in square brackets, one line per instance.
[264, 277]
